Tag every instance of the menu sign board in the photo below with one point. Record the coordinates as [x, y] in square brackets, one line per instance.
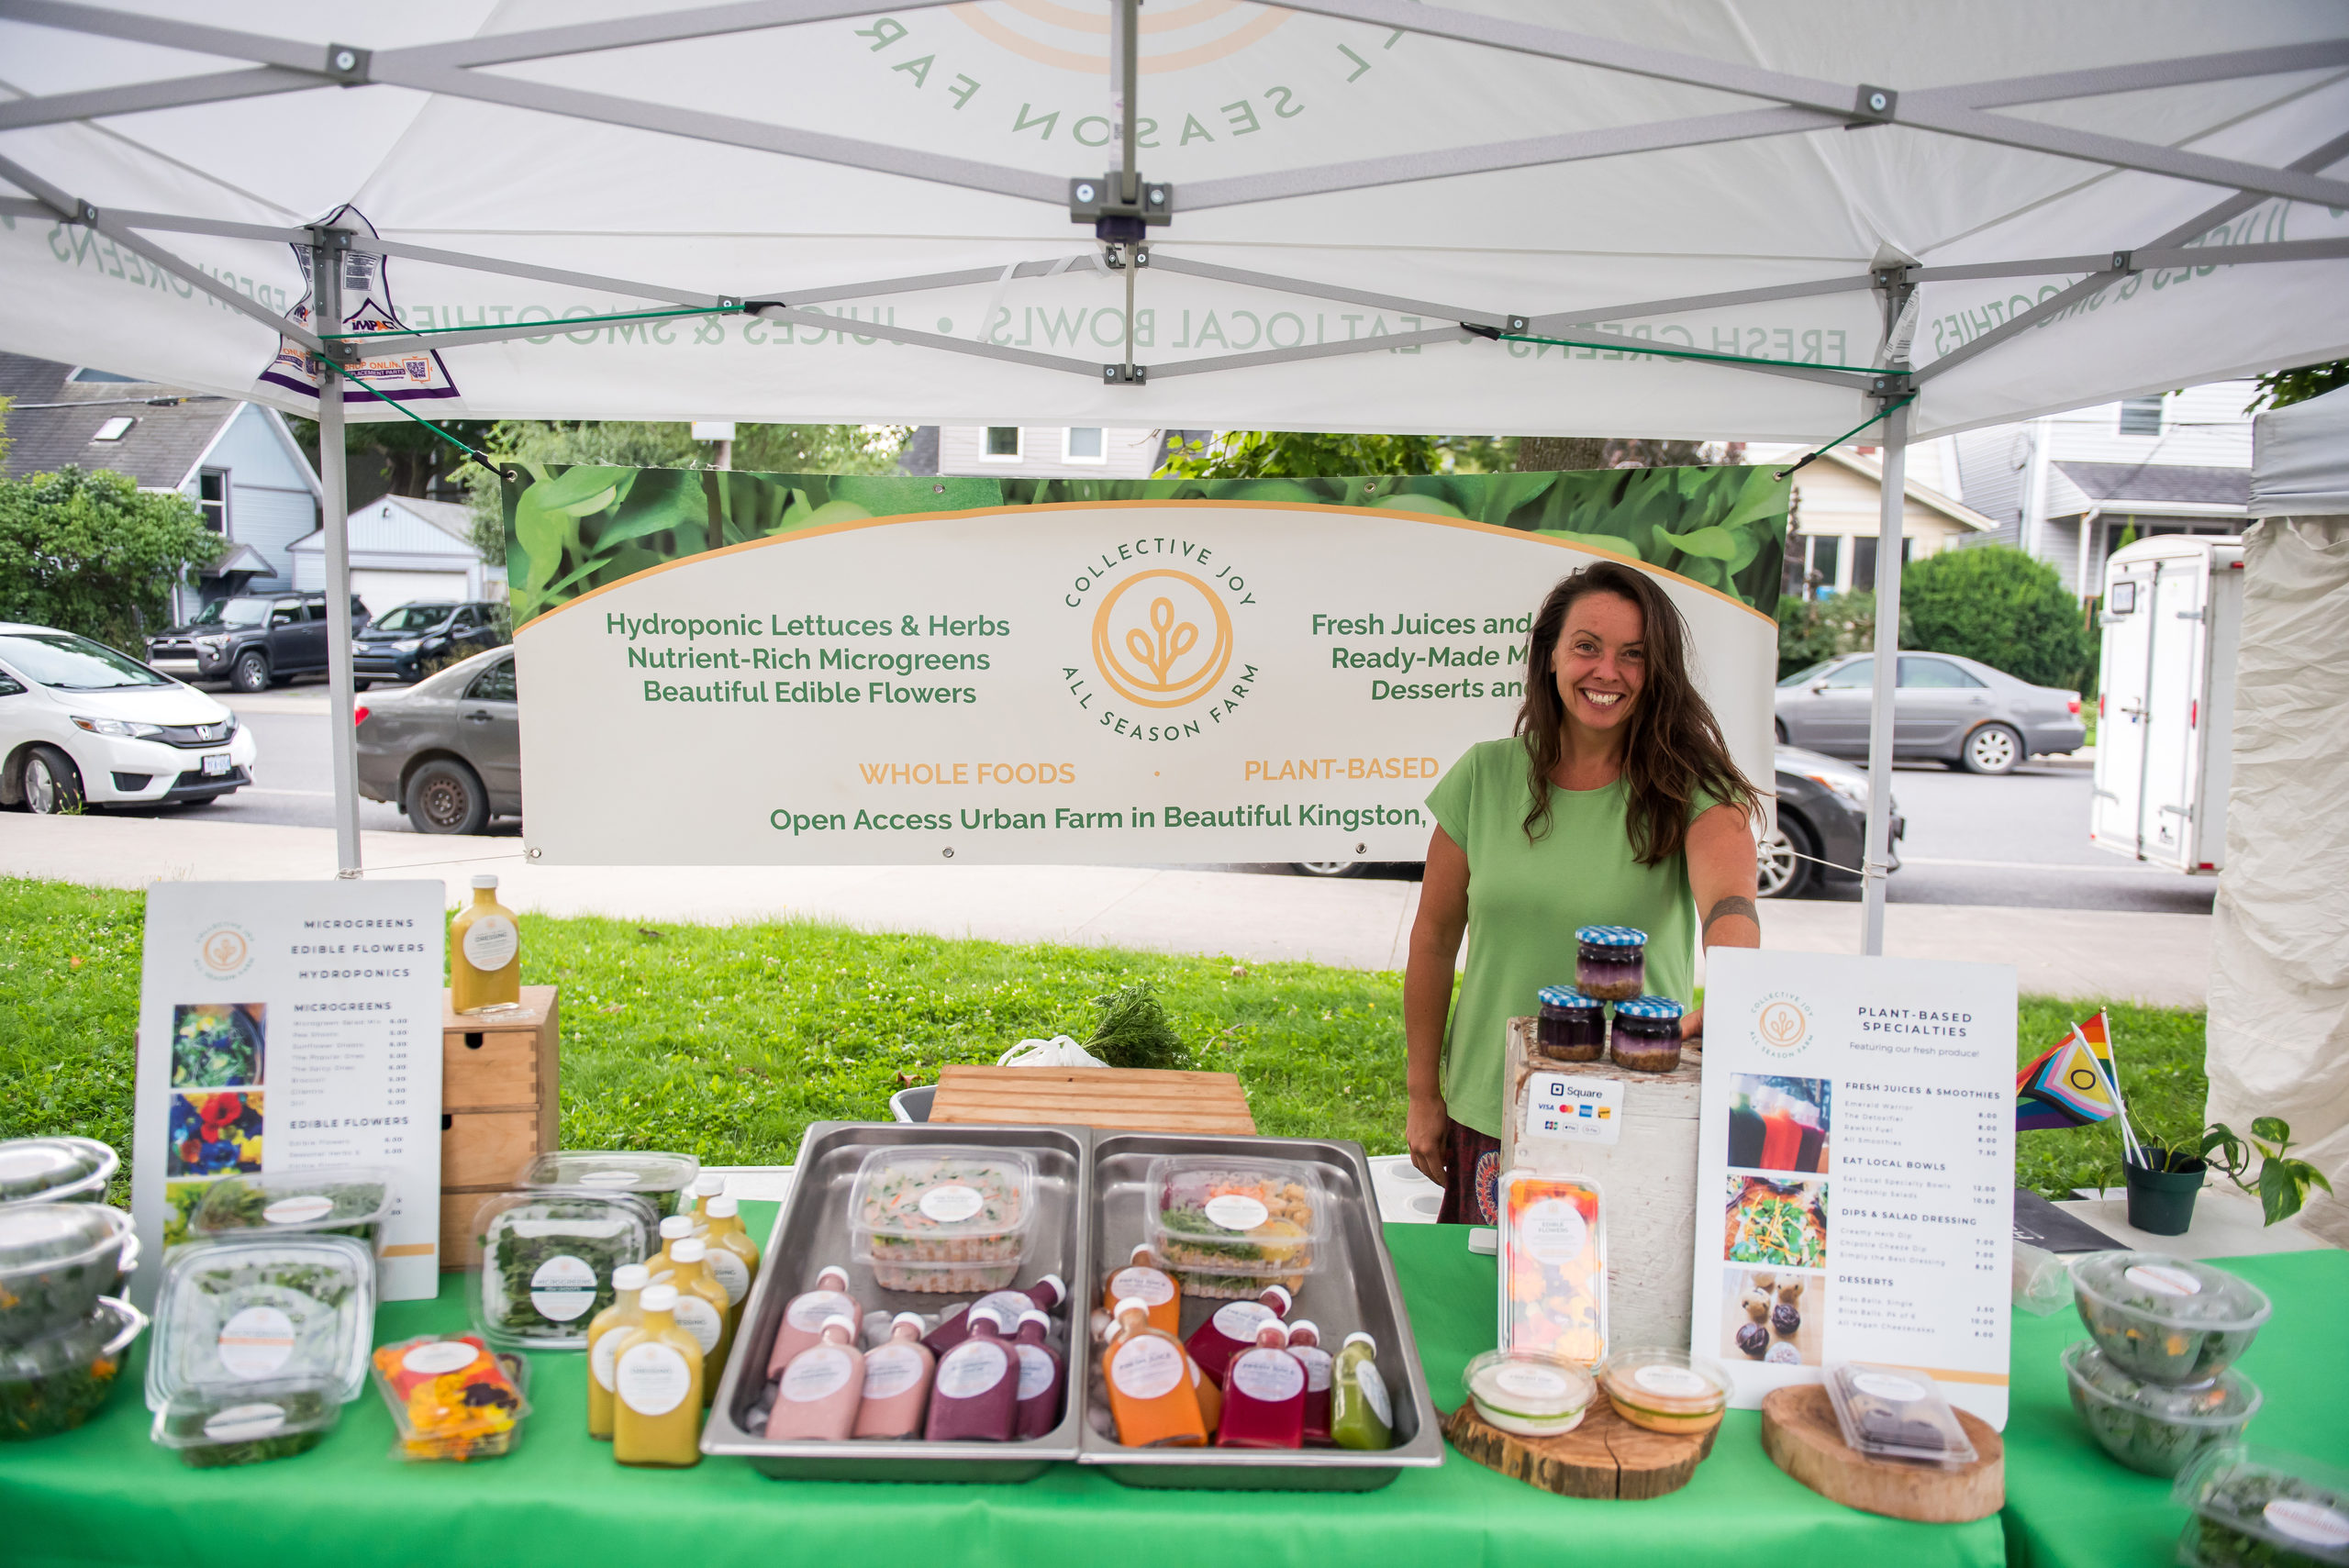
[286, 1027]
[1856, 1131]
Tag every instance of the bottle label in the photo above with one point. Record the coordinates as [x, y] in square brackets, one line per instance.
[2311, 1522]
[727, 1267]
[2163, 1280]
[704, 1321]
[1374, 1392]
[1884, 1385]
[807, 1313]
[971, 1368]
[1528, 1381]
[1317, 1363]
[243, 1423]
[1036, 1371]
[1672, 1382]
[1148, 1285]
[653, 1379]
[1235, 1211]
[1552, 1231]
[818, 1373]
[1008, 1305]
[298, 1210]
[1239, 1320]
[604, 1353]
[891, 1369]
[491, 943]
[1268, 1374]
[1147, 1367]
[564, 1288]
[954, 1202]
[440, 1356]
[256, 1341]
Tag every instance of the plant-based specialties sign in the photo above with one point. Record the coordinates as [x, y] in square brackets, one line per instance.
[1857, 1134]
[289, 1027]
[840, 670]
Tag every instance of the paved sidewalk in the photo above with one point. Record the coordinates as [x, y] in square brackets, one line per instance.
[2157, 957]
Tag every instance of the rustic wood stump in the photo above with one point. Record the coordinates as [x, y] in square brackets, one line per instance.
[1800, 1435]
[1605, 1457]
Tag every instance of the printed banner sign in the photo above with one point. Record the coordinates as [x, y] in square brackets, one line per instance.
[1252, 671]
[1856, 1129]
[290, 1027]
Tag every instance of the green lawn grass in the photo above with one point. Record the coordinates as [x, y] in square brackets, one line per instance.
[726, 1040]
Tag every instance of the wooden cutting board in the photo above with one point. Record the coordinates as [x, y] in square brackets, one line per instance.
[1133, 1099]
[1605, 1456]
[1800, 1434]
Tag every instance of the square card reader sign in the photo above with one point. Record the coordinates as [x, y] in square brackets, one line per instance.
[1856, 1129]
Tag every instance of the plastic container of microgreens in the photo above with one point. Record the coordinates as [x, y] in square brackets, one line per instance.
[2167, 1319]
[261, 1310]
[2261, 1507]
[1229, 1227]
[346, 1201]
[546, 1260]
[56, 1170]
[218, 1425]
[55, 1260]
[652, 1174]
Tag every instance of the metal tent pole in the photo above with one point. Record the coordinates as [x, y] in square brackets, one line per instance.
[1877, 857]
[325, 294]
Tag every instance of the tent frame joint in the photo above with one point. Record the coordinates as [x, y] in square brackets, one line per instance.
[2124, 262]
[1118, 213]
[347, 64]
[1125, 375]
[1873, 106]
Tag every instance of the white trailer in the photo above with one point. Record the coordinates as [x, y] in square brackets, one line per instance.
[2164, 743]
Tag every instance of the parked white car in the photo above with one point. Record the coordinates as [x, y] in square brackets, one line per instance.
[83, 725]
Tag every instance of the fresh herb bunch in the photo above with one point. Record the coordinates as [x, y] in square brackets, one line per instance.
[1133, 1030]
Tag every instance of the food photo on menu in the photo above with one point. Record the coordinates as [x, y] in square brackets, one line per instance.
[1773, 1315]
[1769, 1221]
[1778, 1124]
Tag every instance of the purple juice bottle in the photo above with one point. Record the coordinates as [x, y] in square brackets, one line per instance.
[954, 1327]
[1305, 1344]
[1041, 1375]
[974, 1395]
[1264, 1394]
[1232, 1330]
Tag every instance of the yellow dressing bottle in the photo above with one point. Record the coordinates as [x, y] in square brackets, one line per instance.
[485, 954]
[733, 1256]
[702, 1307]
[656, 1386]
[603, 1344]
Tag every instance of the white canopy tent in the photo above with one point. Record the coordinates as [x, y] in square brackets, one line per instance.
[1345, 215]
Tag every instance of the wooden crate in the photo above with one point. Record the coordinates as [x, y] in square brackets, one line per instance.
[500, 1103]
[1131, 1099]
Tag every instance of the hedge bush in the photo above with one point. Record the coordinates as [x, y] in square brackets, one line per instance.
[2000, 606]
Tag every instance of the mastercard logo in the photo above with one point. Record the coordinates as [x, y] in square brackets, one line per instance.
[1174, 38]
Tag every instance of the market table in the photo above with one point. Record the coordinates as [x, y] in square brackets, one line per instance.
[2069, 1505]
[106, 1495]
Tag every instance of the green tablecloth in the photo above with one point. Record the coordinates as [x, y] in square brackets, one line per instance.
[106, 1495]
[2069, 1505]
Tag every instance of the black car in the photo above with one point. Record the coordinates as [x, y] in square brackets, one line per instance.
[413, 640]
[1822, 823]
[249, 641]
[447, 750]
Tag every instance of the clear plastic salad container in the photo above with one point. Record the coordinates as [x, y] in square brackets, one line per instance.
[2167, 1319]
[1229, 1227]
[1528, 1392]
[2259, 1507]
[1892, 1412]
[262, 1310]
[614, 1171]
[218, 1424]
[56, 1259]
[451, 1397]
[349, 1200]
[55, 1382]
[939, 1217]
[1664, 1390]
[2157, 1427]
[547, 1259]
[55, 1170]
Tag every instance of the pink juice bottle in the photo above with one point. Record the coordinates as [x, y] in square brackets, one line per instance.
[975, 1395]
[954, 1327]
[802, 1320]
[1305, 1344]
[1041, 1372]
[822, 1387]
[1234, 1327]
[896, 1383]
[1264, 1395]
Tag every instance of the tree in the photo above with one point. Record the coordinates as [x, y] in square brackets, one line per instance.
[1811, 631]
[1999, 606]
[91, 552]
[1318, 454]
[2279, 389]
[1543, 454]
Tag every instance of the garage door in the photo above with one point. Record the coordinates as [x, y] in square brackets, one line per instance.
[381, 591]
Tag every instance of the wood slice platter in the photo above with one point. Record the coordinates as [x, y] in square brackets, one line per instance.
[1605, 1457]
[1800, 1435]
[1133, 1099]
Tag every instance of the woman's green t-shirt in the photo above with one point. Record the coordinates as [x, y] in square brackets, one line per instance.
[1527, 899]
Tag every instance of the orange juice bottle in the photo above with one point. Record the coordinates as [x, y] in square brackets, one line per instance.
[656, 1386]
[1151, 1284]
[1149, 1379]
[485, 954]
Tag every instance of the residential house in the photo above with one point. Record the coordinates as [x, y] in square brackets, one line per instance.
[404, 550]
[1837, 505]
[1038, 452]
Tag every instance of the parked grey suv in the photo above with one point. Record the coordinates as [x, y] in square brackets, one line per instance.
[447, 750]
[249, 639]
[1946, 709]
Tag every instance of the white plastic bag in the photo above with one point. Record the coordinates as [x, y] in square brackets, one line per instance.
[1058, 1052]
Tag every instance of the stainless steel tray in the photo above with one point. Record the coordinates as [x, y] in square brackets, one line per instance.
[812, 1230]
[1354, 1289]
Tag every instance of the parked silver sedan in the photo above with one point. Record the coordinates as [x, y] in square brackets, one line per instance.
[1946, 709]
[447, 750]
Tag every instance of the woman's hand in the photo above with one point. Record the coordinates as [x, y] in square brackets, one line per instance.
[1427, 1132]
[1427, 1001]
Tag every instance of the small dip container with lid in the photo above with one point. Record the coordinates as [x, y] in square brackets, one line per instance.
[2167, 1319]
[1647, 1034]
[1612, 963]
[1528, 1393]
[1664, 1390]
[1573, 1026]
[2157, 1427]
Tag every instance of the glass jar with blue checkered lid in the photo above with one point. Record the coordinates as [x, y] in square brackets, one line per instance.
[1612, 963]
[1647, 1034]
[1572, 1028]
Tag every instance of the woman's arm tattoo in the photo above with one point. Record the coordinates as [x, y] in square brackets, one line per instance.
[1735, 904]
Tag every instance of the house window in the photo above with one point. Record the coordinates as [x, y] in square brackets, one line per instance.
[87, 375]
[1002, 444]
[115, 428]
[1824, 549]
[1086, 444]
[2141, 417]
[212, 499]
[1864, 559]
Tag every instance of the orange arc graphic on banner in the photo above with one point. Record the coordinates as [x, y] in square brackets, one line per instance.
[1147, 659]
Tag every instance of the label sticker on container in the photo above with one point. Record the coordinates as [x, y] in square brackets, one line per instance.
[890, 1370]
[953, 1202]
[1374, 1392]
[1672, 1382]
[2163, 1280]
[1146, 1368]
[440, 1356]
[1148, 1285]
[607, 1179]
[807, 1313]
[1272, 1375]
[256, 1341]
[564, 1288]
[725, 1266]
[298, 1210]
[2311, 1522]
[1573, 1110]
[818, 1373]
[1235, 1211]
[1552, 1231]
[1007, 1305]
[971, 1368]
[652, 1380]
[605, 1353]
[491, 943]
[1036, 1372]
[704, 1321]
[1317, 1363]
[1885, 1385]
[1524, 1381]
[1240, 1320]
[243, 1423]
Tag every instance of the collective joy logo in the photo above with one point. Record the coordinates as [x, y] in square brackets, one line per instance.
[1162, 642]
[1781, 1023]
[224, 951]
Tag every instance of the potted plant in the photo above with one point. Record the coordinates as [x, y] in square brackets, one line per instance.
[2164, 1175]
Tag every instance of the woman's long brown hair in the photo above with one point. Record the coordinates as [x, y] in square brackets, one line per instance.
[1672, 744]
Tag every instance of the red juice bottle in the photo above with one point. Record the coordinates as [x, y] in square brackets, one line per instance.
[975, 1394]
[1781, 1135]
[1813, 1134]
[1264, 1394]
[1232, 1330]
[1041, 1374]
[1305, 1344]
